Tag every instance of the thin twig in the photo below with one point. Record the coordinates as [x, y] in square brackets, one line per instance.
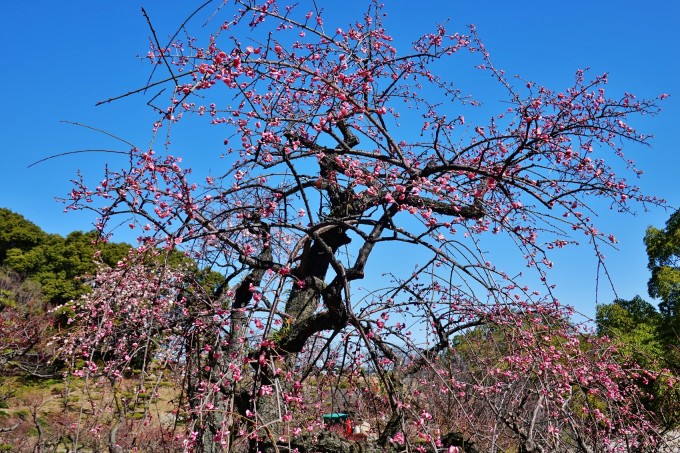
[144, 88]
[54, 156]
[158, 45]
[177, 33]
[86, 126]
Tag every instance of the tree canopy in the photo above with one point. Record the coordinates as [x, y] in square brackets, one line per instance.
[56, 263]
[17, 233]
[636, 323]
[663, 249]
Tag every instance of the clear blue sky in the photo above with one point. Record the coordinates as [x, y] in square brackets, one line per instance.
[61, 57]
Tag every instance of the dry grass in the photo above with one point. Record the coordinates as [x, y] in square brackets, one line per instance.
[61, 413]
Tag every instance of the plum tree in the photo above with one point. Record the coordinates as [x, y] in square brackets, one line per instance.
[349, 163]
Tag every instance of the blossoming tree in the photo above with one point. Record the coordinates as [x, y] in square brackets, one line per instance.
[343, 153]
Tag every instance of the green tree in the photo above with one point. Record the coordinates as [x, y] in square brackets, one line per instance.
[663, 249]
[18, 233]
[55, 262]
[638, 329]
[635, 325]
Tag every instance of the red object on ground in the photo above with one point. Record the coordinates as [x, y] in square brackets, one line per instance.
[348, 426]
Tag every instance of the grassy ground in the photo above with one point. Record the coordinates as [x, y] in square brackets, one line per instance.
[58, 414]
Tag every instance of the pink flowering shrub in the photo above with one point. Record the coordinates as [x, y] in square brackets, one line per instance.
[534, 376]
